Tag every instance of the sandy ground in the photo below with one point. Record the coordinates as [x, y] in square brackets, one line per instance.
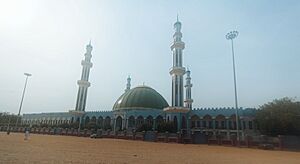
[67, 149]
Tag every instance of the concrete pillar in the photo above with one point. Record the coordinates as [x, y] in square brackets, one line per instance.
[123, 123]
[228, 134]
[126, 125]
[114, 124]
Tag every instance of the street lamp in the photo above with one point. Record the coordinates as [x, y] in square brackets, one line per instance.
[230, 36]
[27, 75]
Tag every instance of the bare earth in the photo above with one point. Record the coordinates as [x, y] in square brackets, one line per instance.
[67, 149]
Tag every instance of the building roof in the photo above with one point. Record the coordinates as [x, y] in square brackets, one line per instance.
[141, 97]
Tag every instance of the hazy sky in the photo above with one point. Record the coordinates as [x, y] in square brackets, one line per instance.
[48, 39]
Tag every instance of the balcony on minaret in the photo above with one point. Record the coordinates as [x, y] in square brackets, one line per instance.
[189, 101]
[83, 83]
[188, 85]
[176, 109]
[177, 45]
[177, 71]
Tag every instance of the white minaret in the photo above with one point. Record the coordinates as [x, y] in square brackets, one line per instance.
[177, 71]
[188, 90]
[128, 85]
[84, 82]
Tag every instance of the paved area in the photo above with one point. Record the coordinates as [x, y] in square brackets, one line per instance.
[69, 149]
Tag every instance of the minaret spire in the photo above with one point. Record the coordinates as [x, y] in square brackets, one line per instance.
[84, 83]
[188, 90]
[177, 70]
[128, 85]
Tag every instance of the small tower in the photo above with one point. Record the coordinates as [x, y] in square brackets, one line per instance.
[188, 90]
[128, 85]
[84, 82]
[177, 70]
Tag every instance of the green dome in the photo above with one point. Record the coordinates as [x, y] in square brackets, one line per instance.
[141, 97]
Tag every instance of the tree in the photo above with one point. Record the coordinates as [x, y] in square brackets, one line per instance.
[144, 127]
[91, 125]
[279, 117]
[166, 127]
[7, 118]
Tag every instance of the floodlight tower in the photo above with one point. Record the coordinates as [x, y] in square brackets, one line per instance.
[230, 36]
[27, 75]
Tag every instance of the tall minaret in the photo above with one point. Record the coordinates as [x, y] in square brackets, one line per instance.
[84, 82]
[188, 90]
[128, 85]
[177, 71]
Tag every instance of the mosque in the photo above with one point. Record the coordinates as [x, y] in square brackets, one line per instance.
[144, 105]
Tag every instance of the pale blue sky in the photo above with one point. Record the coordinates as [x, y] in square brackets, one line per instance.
[48, 39]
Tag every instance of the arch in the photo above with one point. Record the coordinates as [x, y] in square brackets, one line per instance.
[139, 121]
[119, 123]
[94, 119]
[87, 120]
[107, 122]
[159, 119]
[220, 122]
[232, 122]
[100, 121]
[78, 120]
[149, 120]
[131, 122]
[195, 121]
[207, 121]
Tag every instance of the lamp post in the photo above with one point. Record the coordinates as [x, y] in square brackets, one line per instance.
[230, 36]
[27, 75]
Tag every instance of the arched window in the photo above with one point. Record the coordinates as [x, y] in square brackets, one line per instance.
[139, 121]
[149, 120]
[207, 121]
[87, 120]
[94, 119]
[100, 121]
[220, 122]
[194, 121]
[107, 123]
[131, 122]
[159, 120]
